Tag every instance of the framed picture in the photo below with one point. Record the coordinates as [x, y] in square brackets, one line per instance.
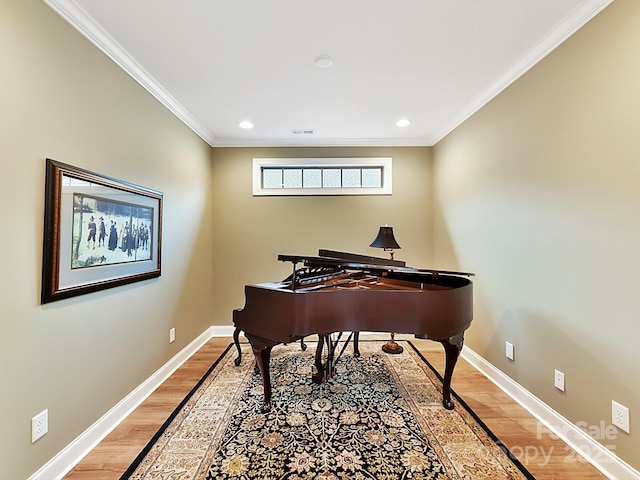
[99, 232]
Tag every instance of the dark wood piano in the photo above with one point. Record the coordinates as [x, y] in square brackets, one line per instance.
[344, 292]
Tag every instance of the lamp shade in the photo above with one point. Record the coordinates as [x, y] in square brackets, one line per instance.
[385, 239]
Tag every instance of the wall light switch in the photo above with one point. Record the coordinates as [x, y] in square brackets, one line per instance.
[172, 335]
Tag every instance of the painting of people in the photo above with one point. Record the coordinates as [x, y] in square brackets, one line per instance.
[107, 232]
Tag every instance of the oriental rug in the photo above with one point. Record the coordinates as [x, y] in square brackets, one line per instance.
[380, 417]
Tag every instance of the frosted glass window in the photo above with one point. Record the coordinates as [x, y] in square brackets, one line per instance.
[312, 178]
[331, 178]
[372, 177]
[351, 177]
[293, 178]
[272, 178]
[322, 176]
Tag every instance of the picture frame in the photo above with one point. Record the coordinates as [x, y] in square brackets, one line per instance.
[99, 232]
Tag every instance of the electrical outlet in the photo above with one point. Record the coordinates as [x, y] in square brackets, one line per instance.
[558, 380]
[620, 416]
[509, 351]
[172, 335]
[39, 425]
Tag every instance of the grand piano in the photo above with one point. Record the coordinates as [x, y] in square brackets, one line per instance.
[345, 292]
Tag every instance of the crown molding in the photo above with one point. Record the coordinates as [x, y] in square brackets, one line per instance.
[562, 32]
[86, 25]
[327, 142]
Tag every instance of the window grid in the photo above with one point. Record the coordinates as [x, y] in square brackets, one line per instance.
[321, 177]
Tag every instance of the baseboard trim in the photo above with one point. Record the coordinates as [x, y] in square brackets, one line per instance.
[66, 459]
[592, 451]
[222, 331]
[595, 453]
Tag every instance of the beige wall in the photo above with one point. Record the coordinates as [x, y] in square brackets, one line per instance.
[539, 193]
[252, 231]
[61, 98]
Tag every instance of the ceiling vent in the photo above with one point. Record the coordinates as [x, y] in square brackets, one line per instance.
[301, 131]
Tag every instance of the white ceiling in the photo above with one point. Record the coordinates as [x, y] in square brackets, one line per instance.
[217, 62]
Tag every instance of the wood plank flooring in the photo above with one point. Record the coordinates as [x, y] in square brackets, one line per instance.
[546, 458]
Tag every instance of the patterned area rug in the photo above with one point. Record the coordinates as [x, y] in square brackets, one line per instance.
[380, 417]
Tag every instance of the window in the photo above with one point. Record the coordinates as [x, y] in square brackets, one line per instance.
[321, 176]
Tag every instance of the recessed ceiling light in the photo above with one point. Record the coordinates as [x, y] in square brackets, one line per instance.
[246, 124]
[403, 122]
[323, 61]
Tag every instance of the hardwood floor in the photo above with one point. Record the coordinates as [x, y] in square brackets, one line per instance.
[545, 457]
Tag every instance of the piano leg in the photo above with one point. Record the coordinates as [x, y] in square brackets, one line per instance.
[236, 340]
[263, 356]
[318, 376]
[356, 349]
[452, 349]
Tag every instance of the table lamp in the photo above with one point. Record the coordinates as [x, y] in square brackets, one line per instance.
[388, 243]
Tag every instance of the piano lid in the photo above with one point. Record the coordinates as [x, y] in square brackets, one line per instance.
[356, 261]
[357, 258]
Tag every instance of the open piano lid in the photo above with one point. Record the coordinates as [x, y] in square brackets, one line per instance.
[356, 261]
